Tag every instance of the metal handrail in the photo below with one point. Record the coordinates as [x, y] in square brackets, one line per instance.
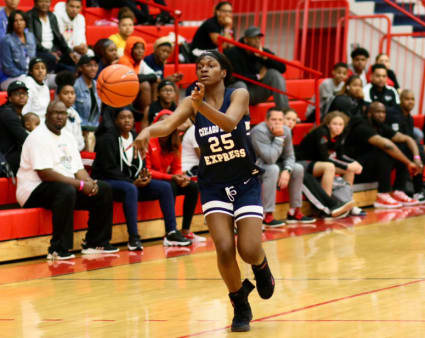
[314, 72]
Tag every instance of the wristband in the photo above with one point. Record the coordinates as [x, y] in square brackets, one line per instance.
[417, 157]
[81, 185]
[230, 31]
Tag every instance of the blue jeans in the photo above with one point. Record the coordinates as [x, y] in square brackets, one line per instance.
[129, 194]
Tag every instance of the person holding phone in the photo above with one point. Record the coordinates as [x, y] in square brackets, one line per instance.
[228, 178]
[123, 168]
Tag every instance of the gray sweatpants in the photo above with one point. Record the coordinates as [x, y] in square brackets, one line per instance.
[259, 94]
[269, 186]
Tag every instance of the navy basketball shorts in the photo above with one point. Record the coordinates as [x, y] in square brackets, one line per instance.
[239, 200]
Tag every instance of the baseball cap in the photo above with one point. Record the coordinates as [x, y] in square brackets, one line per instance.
[163, 40]
[85, 59]
[252, 31]
[15, 85]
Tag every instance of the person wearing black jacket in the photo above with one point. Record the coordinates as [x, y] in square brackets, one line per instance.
[122, 167]
[55, 52]
[12, 131]
[259, 68]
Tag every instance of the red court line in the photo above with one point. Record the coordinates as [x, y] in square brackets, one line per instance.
[88, 263]
[350, 320]
[311, 306]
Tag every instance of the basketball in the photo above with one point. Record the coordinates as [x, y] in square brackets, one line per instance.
[117, 85]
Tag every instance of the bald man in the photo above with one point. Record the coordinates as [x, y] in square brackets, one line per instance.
[371, 142]
[52, 176]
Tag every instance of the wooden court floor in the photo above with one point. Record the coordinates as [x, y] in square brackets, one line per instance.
[357, 277]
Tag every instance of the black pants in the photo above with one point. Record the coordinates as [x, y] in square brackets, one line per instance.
[314, 192]
[377, 166]
[190, 192]
[62, 199]
[402, 174]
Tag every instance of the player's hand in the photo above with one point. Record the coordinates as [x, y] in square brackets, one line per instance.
[355, 167]
[197, 95]
[141, 142]
[284, 179]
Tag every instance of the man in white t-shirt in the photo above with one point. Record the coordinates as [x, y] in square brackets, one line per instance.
[52, 176]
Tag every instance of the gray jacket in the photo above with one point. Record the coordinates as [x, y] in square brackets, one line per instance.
[271, 149]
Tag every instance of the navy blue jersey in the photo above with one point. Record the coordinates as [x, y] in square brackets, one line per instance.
[225, 157]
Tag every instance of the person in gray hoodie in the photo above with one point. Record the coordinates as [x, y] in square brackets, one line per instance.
[272, 142]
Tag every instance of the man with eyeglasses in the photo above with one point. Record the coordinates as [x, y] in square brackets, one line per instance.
[12, 131]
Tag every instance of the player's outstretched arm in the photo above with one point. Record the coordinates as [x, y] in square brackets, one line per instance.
[237, 109]
[164, 127]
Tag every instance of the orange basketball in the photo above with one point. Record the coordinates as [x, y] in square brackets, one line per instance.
[117, 85]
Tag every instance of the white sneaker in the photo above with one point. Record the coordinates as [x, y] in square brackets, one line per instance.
[385, 201]
[401, 197]
[194, 237]
[420, 197]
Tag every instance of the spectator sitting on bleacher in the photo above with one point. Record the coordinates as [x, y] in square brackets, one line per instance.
[329, 88]
[322, 149]
[407, 103]
[324, 144]
[38, 91]
[12, 131]
[125, 29]
[163, 159]
[378, 90]
[167, 94]
[349, 100]
[11, 5]
[259, 68]
[66, 93]
[106, 52]
[403, 123]
[383, 59]
[17, 48]
[30, 121]
[162, 49]
[370, 142]
[121, 166]
[140, 10]
[72, 25]
[87, 102]
[51, 45]
[133, 57]
[359, 58]
[52, 176]
[313, 191]
[272, 142]
[290, 118]
[206, 37]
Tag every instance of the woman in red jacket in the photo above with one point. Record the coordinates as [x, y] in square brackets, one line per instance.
[163, 159]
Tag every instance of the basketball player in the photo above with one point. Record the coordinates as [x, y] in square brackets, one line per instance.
[228, 178]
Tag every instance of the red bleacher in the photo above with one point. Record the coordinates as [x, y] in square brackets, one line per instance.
[24, 223]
